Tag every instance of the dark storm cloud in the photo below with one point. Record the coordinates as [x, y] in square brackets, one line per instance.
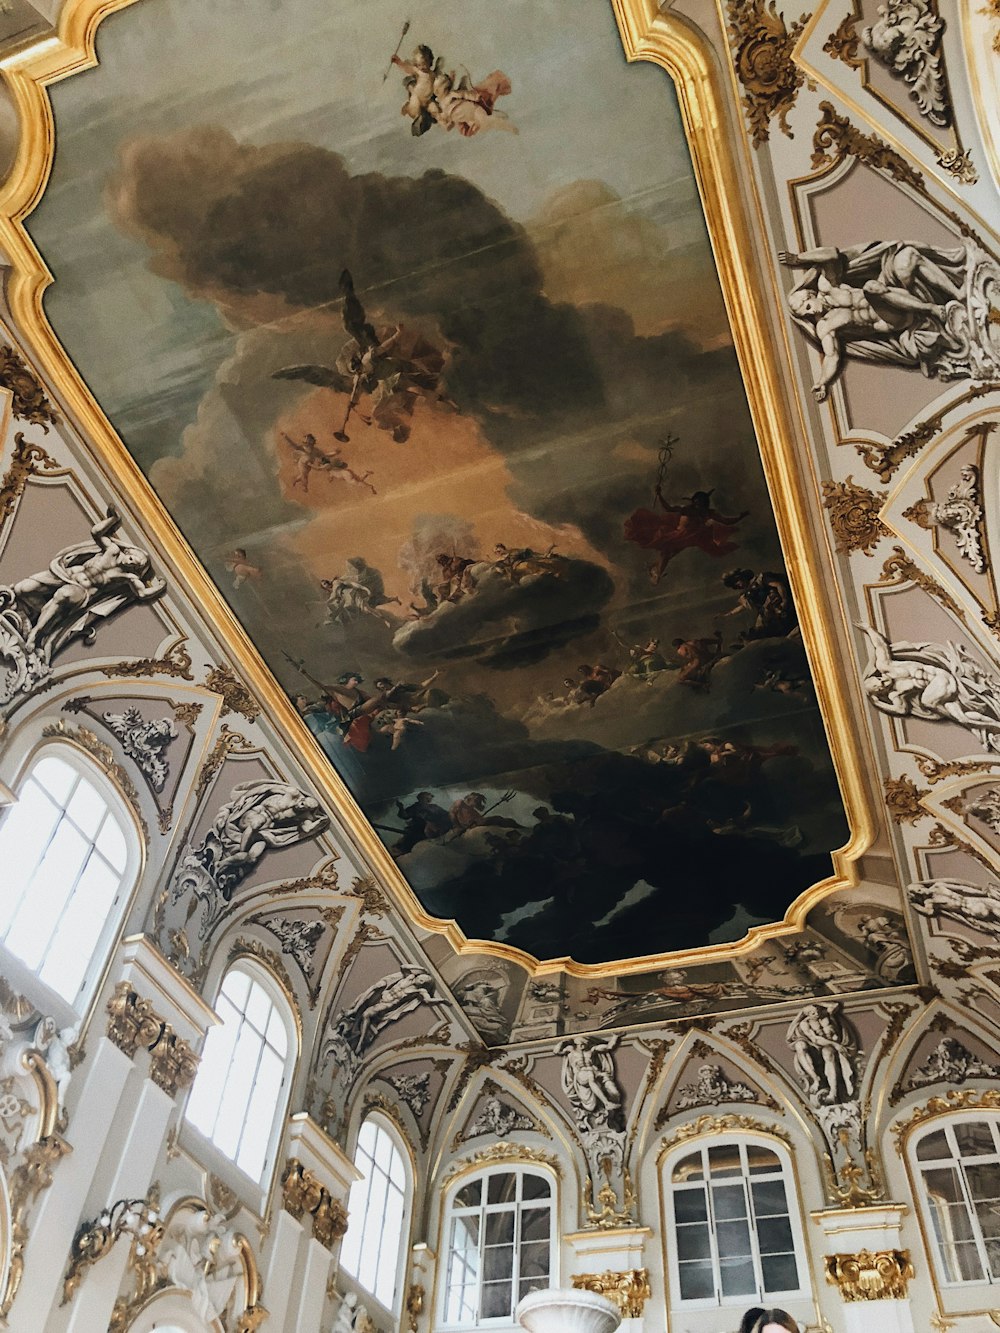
[503, 624]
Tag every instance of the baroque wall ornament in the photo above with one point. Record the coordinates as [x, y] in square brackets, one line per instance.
[976, 906]
[836, 138]
[83, 586]
[30, 1178]
[260, 816]
[764, 66]
[960, 513]
[906, 40]
[951, 1062]
[936, 682]
[902, 799]
[176, 661]
[879, 1275]
[712, 1088]
[983, 805]
[236, 698]
[503, 1152]
[29, 402]
[172, 1063]
[842, 44]
[144, 741]
[383, 1003]
[26, 460]
[304, 1195]
[138, 1219]
[854, 516]
[900, 303]
[133, 1024]
[957, 1099]
[629, 1289]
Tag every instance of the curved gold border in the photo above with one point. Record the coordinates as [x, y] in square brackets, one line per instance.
[684, 53]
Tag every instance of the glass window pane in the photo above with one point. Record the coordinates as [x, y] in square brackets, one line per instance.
[974, 1139]
[535, 1223]
[86, 808]
[111, 844]
[258, 1008]
[468, 1196]
[690, 1206]
[688, 1168]
[498, 1262]
[696, 1281]
[236, 988]
[761, 1159]
[933, 1147]
[774, 1235]
[693, 1242]
[535, 1187]
[55, 775]
[780, 1273]
[768, 1197]
[496, 1300]
[500, 1228]
[733, 1238]
[725, 1160]
[729, 1202]
[738, 1277]
[501, 1187]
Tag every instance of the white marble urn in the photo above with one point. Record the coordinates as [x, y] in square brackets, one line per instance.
[567, 1310]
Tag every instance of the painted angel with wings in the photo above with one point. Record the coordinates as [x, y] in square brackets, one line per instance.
[390, 367]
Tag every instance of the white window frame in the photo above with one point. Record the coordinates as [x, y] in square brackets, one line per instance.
[787, 1175]
[358, 1208]
[483, 1210]
[19, 974]
[958, 1162]
[207, 1147]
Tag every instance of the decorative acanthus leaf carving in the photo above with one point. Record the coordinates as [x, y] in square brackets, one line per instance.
[854, 516]
[961, 513]
[905, 39]
[769, 76]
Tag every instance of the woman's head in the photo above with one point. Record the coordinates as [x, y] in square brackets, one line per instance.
[758, 1320]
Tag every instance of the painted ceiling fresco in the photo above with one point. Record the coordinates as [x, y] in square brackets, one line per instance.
[426, 354]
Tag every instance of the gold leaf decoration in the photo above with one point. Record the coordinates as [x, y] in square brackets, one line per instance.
[764, 66]
[854, 516]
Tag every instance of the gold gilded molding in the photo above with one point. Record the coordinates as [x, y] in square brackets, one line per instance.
[902, 799]
[104, 756]
[176, 661]
[713, 1125]
[303, 1195]
[609, 1216]
[235, 696]
[172, 1063]
[414, 1307]
[870, 1275]
[854, 516]
[502, 1151]
[647, 33]
[842, 44]
[956, 1099]
[629, 1290]
[132, 1021]
[226, 743]
[28, 1180]
[763, 62]
[836, 138]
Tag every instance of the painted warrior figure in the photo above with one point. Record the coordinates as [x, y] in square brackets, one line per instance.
[83, 586]
[825, 1050]
[896, 303]
[938, 682]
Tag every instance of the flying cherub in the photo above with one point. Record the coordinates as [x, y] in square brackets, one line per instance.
[435, 96]
[311, 457]
[241, 568]
[392, 367]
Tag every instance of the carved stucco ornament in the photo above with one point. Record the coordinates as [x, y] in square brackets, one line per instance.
[905, 39]
[764, 66]
[955, 1099]
[854, 516]
[629, 1289]
[236, 698]
[870, 1275]
[835, 138]
[133, 1023]
[960, 512]
[303, 1195]
[27, 459]
[172, 1063]
[902, 799]
[29, 400]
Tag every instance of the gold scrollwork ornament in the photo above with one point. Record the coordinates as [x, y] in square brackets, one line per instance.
[132, 1020]
[870, 1275]
[629, 1290]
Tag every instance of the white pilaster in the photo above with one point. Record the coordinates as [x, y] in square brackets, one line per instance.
[853, 1230]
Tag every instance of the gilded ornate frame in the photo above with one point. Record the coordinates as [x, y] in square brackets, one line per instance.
[751, 297]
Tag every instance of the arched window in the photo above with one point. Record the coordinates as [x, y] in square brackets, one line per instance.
[240, 1093]
[374, 1246]
[959, 1169]
[735, 1237]
[500, 1245]
[68, 868]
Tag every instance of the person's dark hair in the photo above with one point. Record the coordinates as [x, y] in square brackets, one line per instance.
[757, 1318]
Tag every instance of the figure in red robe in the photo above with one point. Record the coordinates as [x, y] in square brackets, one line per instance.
[692, 523]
